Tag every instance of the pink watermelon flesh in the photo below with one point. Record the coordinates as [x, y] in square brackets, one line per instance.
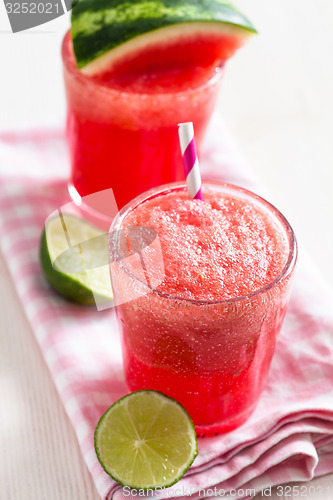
[175, 65]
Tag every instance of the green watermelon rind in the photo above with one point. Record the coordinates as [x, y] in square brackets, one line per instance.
[99, 26]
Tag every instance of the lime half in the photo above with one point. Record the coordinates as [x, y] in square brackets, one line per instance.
[74, 259]
[146, 440]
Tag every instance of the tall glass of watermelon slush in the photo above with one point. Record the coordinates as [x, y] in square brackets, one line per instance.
[123, 134]
[206, 334]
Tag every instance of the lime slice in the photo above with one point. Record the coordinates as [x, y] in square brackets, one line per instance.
[146, 440]
[74, 259]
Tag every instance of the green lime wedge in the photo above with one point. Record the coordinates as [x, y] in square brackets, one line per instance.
[146, 440]
[74, 259]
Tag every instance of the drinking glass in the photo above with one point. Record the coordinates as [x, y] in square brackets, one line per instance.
[125, 140]
[213, 356]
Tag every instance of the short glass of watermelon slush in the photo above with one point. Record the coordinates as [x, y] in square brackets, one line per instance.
[207, 333]
[122, 133]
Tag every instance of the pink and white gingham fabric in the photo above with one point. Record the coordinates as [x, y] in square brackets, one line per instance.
[289, 437]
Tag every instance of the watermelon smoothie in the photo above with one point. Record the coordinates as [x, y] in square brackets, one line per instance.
[122, 126]
[206, 334]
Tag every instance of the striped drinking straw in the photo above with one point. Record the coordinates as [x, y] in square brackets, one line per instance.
[190, 160]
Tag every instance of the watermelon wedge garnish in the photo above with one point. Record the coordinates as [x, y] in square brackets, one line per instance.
[145, 35]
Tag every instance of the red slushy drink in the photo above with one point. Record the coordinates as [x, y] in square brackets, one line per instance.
[206, 334]
[122, 130]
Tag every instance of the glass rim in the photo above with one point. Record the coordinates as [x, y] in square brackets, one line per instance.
[70, 65]
[176, 186]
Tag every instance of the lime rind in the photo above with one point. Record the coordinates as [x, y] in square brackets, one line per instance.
[145, 452]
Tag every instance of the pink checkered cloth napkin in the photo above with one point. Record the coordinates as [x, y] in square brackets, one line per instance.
[289, 437]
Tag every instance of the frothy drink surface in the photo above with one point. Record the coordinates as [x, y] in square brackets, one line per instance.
[220, 248]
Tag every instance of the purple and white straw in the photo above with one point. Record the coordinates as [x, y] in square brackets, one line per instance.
[190, 160]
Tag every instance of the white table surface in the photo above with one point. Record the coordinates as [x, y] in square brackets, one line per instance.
[276, 99]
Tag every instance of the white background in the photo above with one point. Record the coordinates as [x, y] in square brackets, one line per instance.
[277, 101]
